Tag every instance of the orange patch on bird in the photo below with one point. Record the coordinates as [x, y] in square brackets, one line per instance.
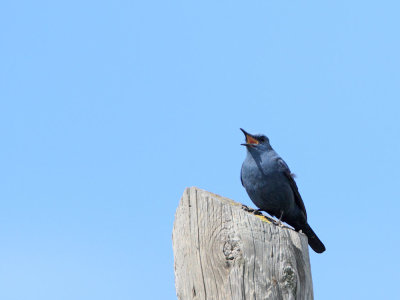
[251, 140]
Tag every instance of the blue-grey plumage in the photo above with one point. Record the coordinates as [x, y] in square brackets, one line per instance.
[272, 188]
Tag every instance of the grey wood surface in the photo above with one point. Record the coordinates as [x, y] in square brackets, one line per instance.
[224, 252]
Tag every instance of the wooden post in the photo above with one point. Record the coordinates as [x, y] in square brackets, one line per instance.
[223, 252]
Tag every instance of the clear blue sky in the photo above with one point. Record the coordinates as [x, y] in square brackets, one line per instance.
[109, 109]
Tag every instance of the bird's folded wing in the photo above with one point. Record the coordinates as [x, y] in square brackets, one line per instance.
[285, 169]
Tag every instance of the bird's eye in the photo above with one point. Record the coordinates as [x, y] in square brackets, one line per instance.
[262, 139]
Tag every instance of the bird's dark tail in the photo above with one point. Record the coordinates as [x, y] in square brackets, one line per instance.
[313, 240]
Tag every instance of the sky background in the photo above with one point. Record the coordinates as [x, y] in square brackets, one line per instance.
[109, 109]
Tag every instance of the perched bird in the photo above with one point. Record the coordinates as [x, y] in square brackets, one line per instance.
[271, 186]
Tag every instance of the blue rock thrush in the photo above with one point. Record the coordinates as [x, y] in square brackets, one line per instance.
[271, 186]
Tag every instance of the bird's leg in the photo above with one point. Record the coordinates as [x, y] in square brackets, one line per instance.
[280, 224]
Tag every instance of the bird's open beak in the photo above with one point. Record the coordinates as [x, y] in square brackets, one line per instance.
[250, 139]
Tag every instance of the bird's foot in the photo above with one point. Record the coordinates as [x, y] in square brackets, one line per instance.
[248, 209]
[257, 212]
[280, 224]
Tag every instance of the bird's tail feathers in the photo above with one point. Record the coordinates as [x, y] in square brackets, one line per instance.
[314, 242]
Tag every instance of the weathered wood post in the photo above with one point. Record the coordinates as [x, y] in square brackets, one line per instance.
[223, 252]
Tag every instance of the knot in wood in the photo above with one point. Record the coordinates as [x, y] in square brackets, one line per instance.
[289, 279]
[231, 249]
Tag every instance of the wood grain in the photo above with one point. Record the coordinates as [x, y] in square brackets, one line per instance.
[223, 252]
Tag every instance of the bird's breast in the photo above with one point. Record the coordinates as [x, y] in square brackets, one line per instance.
[267, 187]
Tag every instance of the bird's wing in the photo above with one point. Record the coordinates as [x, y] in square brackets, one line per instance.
[241, 178]
[285, 169]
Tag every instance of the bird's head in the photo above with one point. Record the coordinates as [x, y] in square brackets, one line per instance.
[257, 141]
